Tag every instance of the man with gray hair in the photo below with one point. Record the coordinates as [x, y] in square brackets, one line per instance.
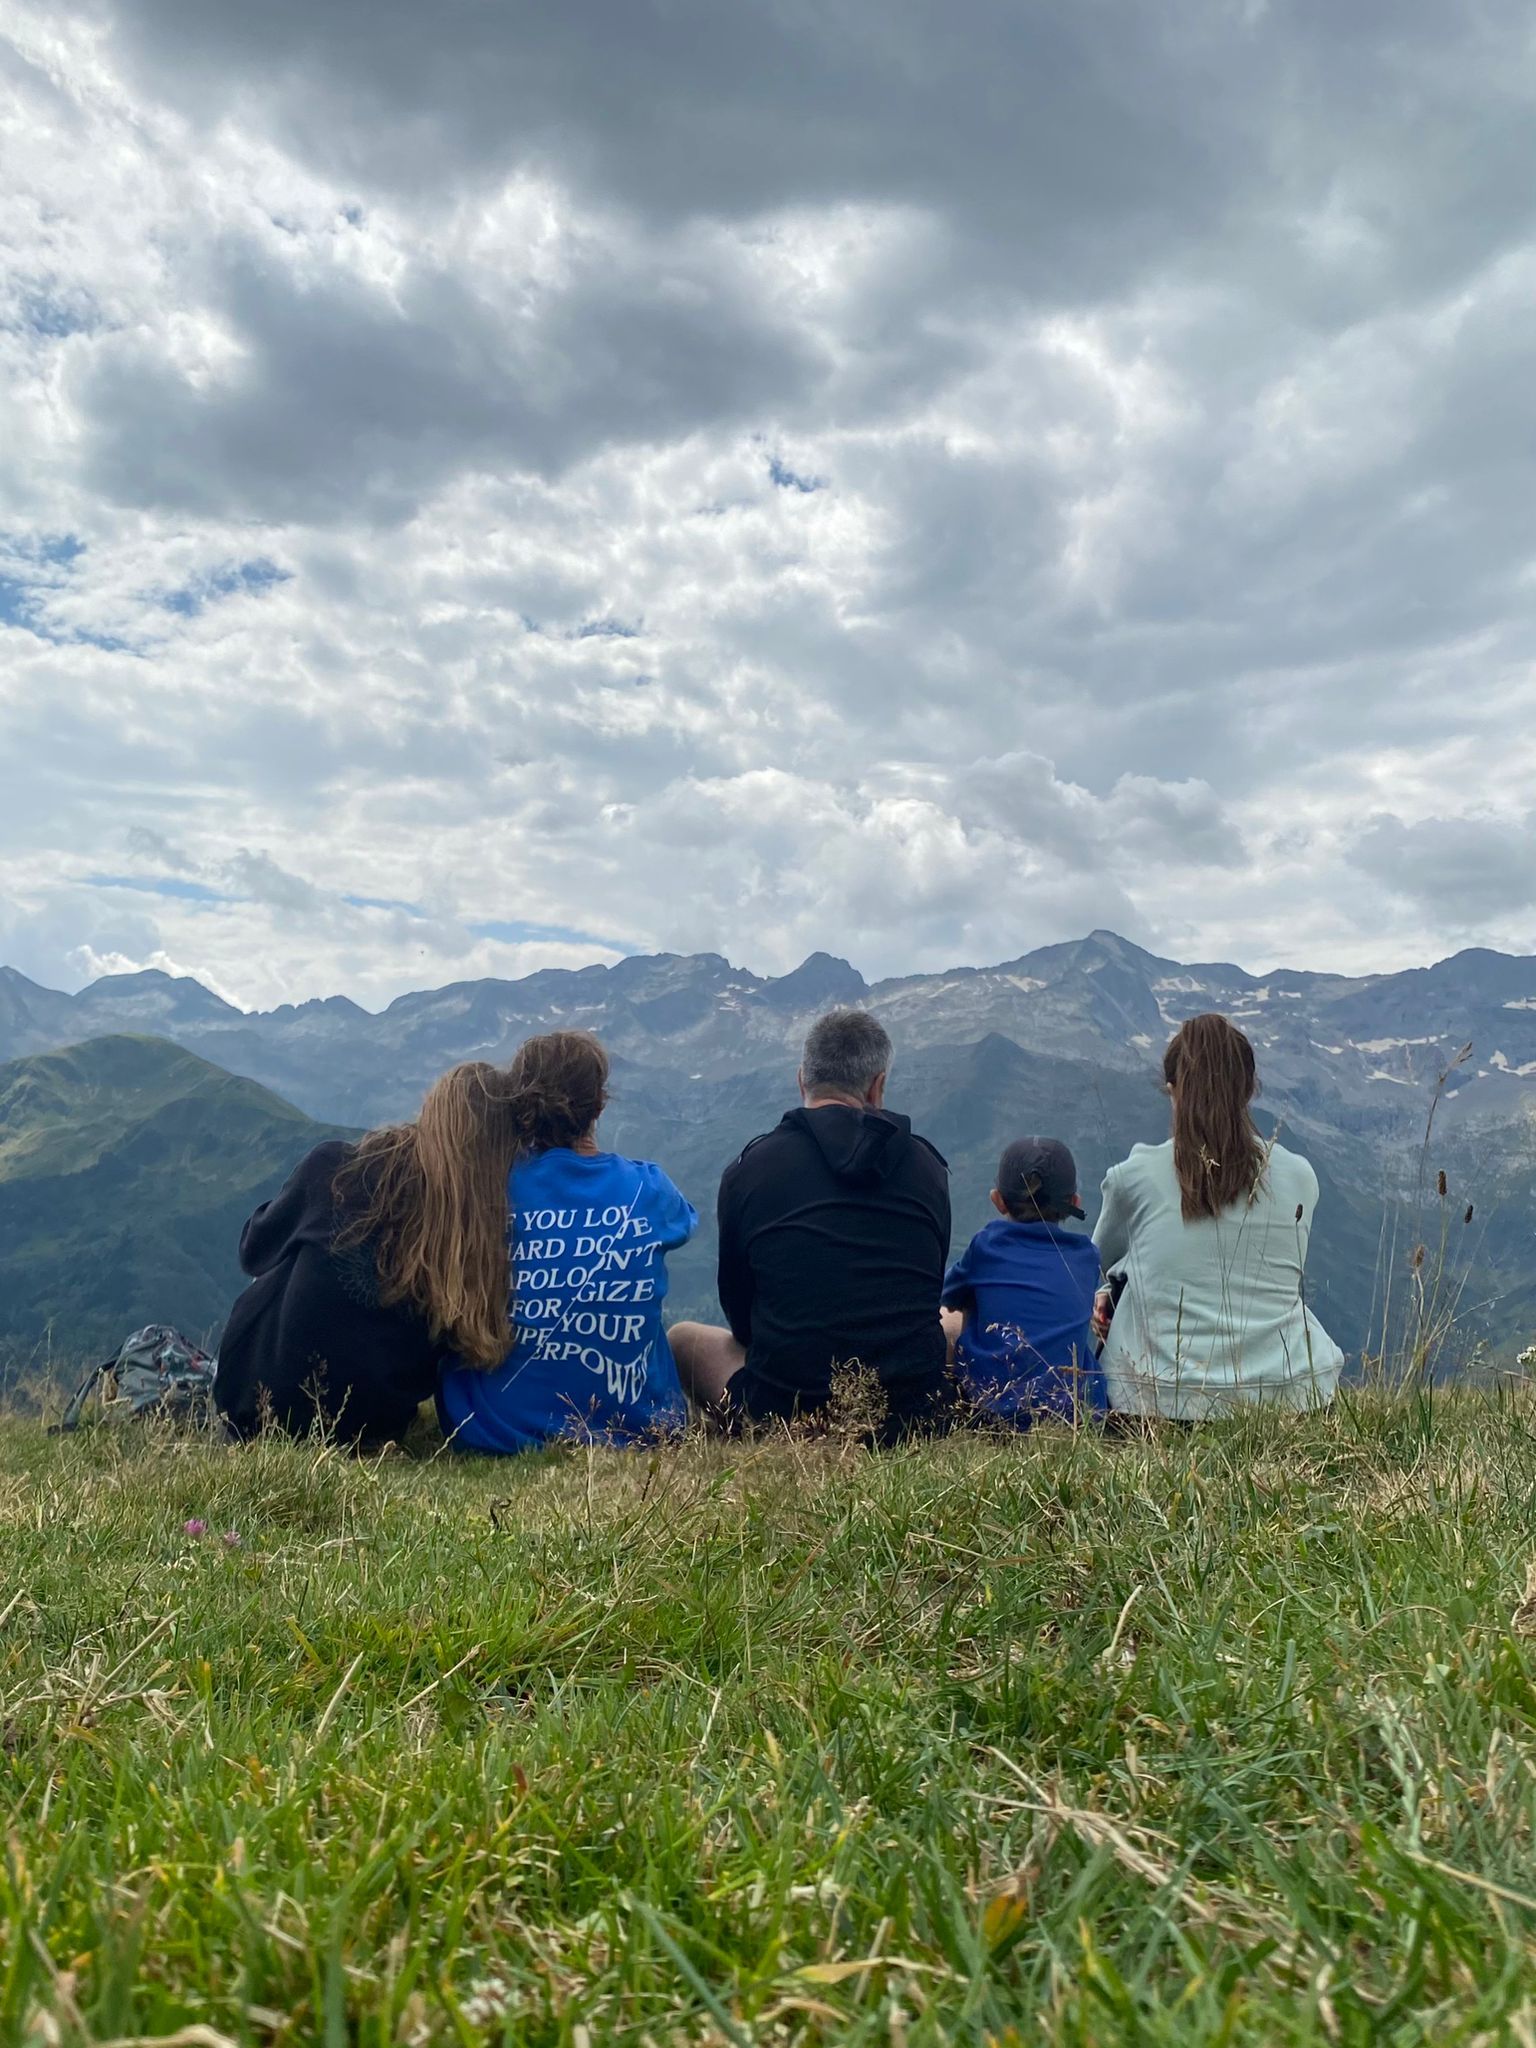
[834, 1233]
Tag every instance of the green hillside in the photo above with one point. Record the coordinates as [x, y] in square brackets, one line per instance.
[127, 1167]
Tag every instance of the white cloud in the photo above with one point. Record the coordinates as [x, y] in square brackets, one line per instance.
[472, 503]
[1463, 868]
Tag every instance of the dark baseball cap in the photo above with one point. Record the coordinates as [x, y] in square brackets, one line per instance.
[1042, 1171]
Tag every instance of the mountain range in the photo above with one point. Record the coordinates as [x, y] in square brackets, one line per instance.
[1067, 1038]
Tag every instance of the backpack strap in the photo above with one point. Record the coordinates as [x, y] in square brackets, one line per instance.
[70, 1419]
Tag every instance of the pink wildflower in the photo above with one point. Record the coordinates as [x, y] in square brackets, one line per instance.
[194, 1527]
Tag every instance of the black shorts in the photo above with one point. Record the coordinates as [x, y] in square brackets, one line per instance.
[922, 1407]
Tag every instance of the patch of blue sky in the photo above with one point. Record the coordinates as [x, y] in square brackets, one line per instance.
[160, 885]
[231, 580]
[59, 549]
[17, 600]
[32, 565]
[519, 931]
[18, 607]
[30, 556]
[384, 903]
[54, 317]
[788, 479]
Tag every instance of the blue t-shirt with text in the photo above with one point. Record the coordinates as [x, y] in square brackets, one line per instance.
[1025, 1350]
[589, 1356]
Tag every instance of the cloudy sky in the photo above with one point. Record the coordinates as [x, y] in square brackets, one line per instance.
[484, 487]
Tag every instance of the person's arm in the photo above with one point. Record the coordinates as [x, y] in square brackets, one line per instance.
[1310, 1196]
[735, 1269]
[675, 1217]
[270, 1229]
[959, 1281]
[1112, 1232]
[1112, 1240]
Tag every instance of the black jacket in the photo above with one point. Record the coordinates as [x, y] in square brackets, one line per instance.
[309, 1338]
[834, 1233]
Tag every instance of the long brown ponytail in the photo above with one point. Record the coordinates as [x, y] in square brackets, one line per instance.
[430, 1197]
[1218, 1153]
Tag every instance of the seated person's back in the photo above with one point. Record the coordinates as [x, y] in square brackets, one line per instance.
[1021, 1296]
[590, 1231]
[375, 1261]
[313, 1339]
[1210, 1233]
[834, 1229]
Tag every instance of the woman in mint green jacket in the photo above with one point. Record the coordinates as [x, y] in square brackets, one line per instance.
[1209, 1233]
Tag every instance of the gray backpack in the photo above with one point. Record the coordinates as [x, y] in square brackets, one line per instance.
[157, 1372]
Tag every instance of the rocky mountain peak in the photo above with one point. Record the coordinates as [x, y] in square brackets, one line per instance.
[818, 983]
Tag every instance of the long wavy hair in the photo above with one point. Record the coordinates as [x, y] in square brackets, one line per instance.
[1218, 1153]
[430, 1197]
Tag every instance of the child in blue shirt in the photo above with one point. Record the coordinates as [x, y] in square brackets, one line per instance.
[590, 1232]
[1019, 1300]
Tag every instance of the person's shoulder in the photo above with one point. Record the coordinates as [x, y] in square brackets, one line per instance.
[318, 1189]
[990, 1239]
[1292, 1169]
[933, 1153]
[650, 1174]
[1054, 1254]
[322, 1162]
[623, 1162]
[759, 1150]
[1143, 1160]
[1047, 1243]
[1289, 1154]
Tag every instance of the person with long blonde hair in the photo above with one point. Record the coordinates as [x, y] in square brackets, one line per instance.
[1207, 1235]
[377, 1260]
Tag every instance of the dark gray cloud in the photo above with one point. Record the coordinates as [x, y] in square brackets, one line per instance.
[350, 398]
[1075, 140]
[736, 111]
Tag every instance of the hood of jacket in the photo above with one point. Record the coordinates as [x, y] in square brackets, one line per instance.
[861, 1146]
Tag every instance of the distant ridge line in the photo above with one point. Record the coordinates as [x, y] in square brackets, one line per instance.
[816, 967]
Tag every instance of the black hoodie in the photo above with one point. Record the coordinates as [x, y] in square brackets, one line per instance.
[834, 1233]
[309, 1340]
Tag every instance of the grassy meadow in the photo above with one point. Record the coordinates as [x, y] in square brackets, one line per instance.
[1221, 1739]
